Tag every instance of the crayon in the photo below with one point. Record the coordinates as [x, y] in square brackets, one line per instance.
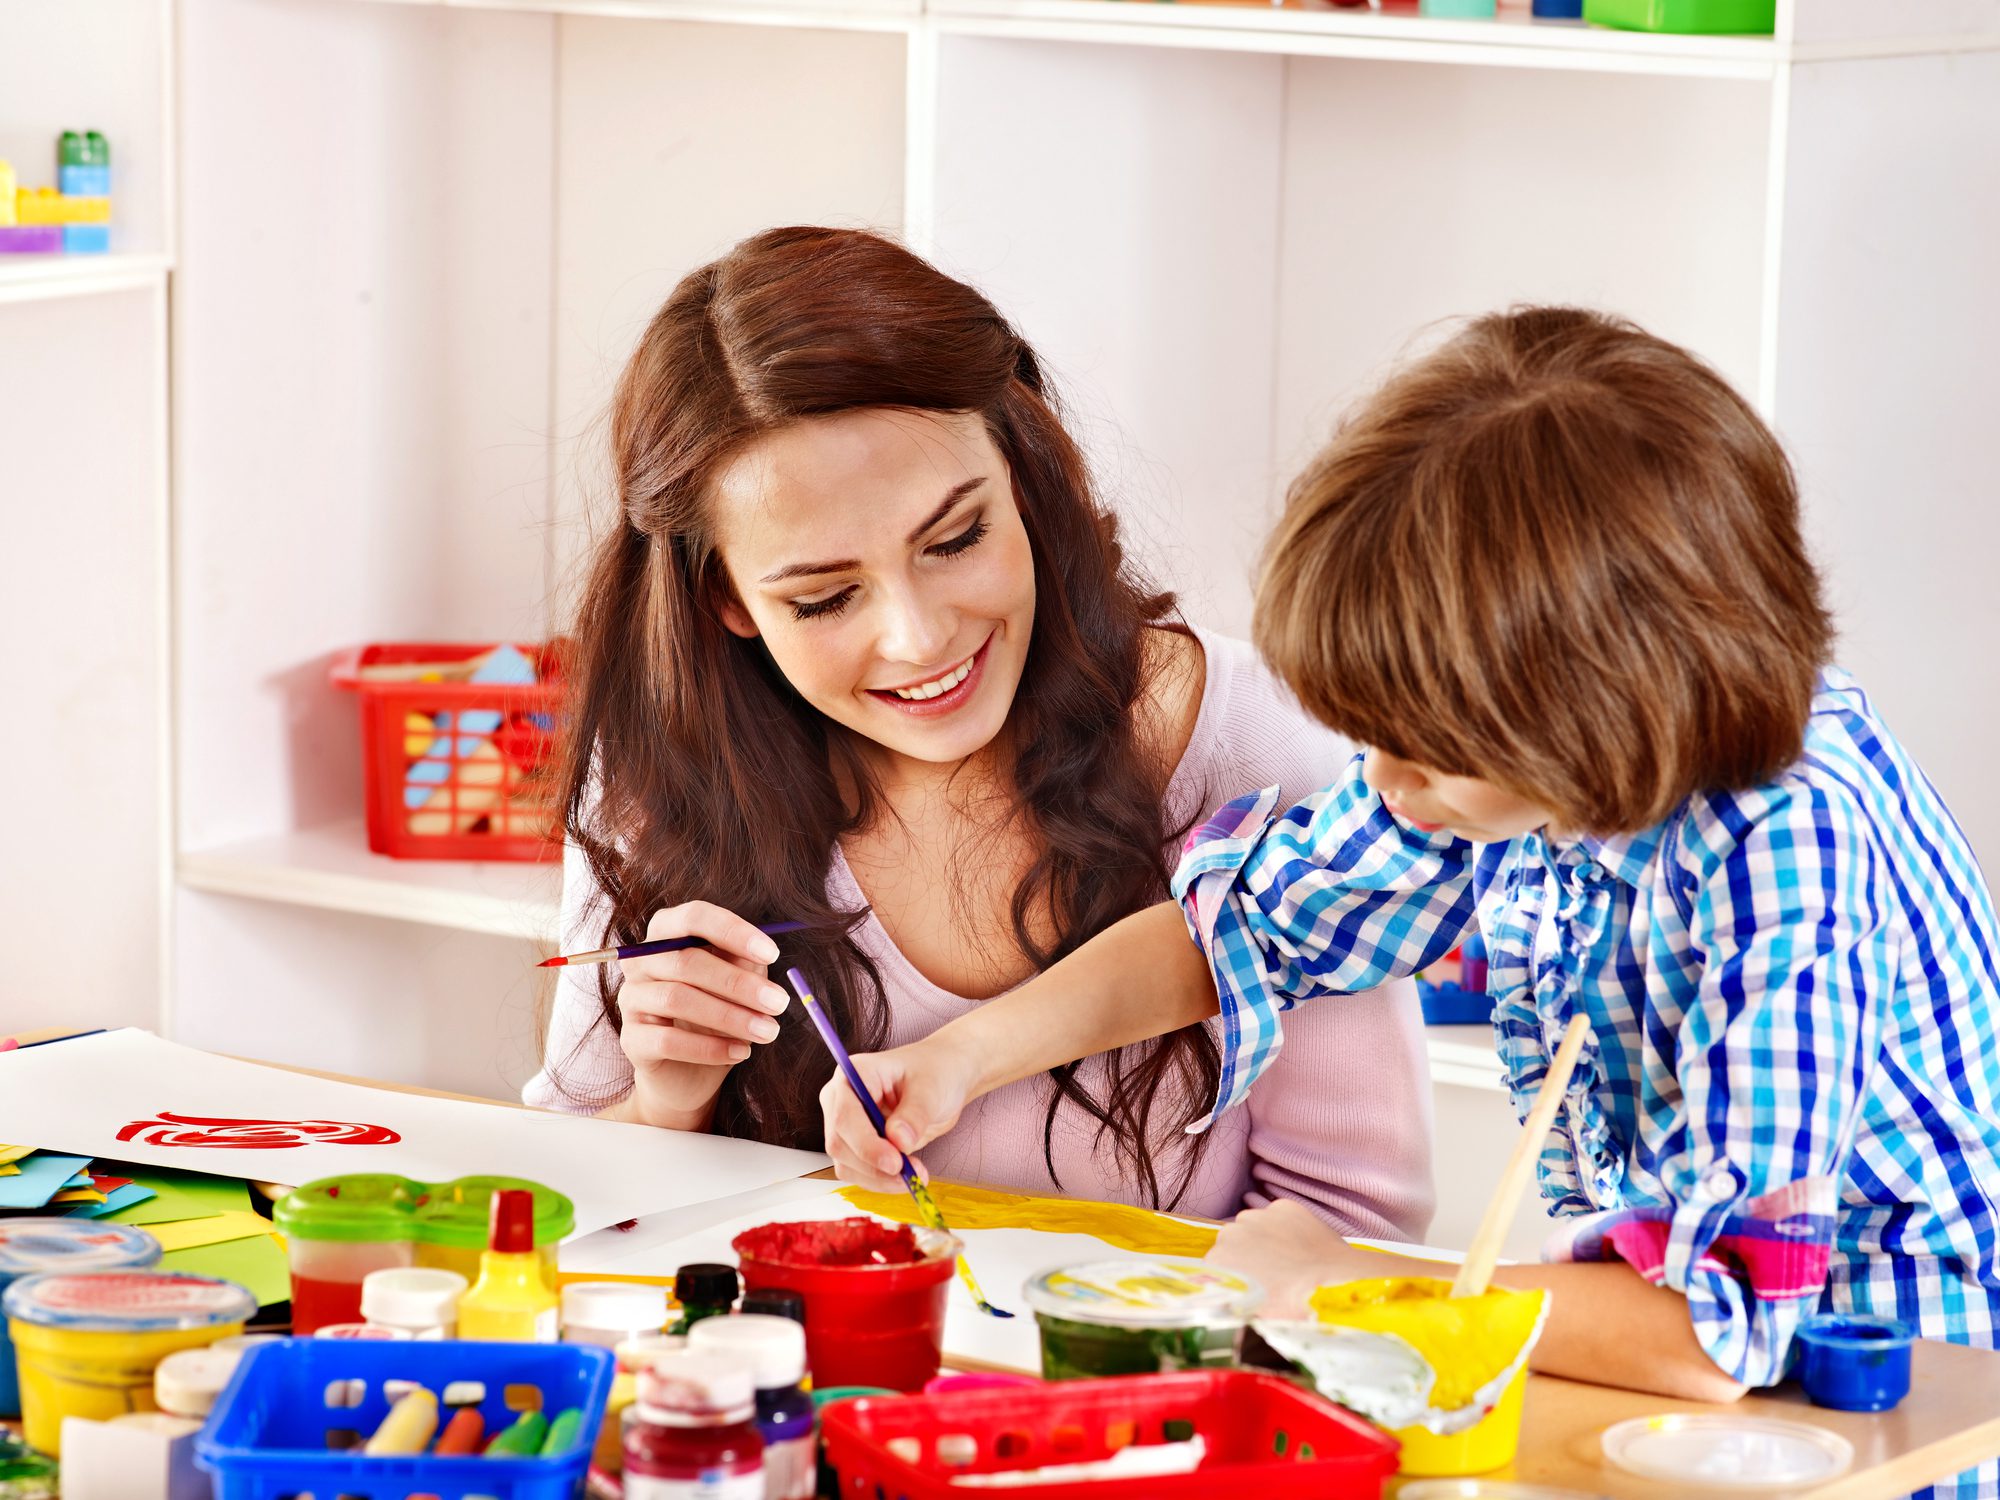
[563, 1432]
[407, 1428]
[523, 1439]
[462, 1433]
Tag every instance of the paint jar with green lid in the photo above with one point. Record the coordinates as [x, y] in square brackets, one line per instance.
[452, 1220]
[1139, 1316]
[336, 1231]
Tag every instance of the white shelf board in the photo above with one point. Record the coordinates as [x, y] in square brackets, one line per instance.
[34, 278]
[839, 15]
[1512, 40]
[331, 868]
[1465, 1056]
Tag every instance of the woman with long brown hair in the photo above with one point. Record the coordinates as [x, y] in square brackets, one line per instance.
[862, 651]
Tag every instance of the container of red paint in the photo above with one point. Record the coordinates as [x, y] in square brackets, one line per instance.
[874, 1295]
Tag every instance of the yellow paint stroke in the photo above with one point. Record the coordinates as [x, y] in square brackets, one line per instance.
[1139, 1230]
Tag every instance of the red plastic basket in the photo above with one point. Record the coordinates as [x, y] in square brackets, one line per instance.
[455, 769]
[1266, 1437]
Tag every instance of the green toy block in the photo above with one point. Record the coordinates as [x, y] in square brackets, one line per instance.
[1715, 17]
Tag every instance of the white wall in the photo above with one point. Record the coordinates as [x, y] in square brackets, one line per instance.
[80, 613]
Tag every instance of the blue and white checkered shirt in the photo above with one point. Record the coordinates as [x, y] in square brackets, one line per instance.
[1791, 994]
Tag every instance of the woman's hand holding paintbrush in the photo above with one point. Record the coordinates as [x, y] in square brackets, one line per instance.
[687, 1016]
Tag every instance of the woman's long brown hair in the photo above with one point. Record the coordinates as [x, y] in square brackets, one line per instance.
[692, 769]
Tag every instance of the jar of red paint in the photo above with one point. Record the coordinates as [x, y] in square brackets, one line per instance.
[874, 1295]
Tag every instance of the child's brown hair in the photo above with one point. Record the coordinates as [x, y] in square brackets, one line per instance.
[1560, 554]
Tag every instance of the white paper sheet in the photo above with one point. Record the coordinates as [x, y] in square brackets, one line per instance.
[131, 1096]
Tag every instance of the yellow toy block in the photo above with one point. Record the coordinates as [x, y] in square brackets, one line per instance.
[6, 191]
[47, 206]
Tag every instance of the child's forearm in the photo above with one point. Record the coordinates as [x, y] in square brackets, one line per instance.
[1608, 1326]
[1139, 978]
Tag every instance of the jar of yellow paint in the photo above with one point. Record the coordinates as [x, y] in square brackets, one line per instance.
[1450, 1371]
[87, 1343]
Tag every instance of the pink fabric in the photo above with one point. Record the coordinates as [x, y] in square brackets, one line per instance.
[1342, 1122]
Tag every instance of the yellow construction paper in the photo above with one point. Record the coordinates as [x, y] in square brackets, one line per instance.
[13, 1153]
[1468, 1341]
[1139, 1230]
[187, 1234]
[8, 1169]
[78, 1195]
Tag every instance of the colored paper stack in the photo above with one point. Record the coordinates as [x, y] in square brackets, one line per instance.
[204, 1224]
[74, 216]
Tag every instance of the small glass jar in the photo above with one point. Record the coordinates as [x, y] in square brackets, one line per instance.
[422, 1301]
[1139, 1317]
[775, 1350]
[691, 1435]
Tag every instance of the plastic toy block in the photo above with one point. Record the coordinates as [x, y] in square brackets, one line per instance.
[31, 239]
[83, 182]
[6, 191]
[83, 148]
[86, 239]
[47, 206]
[1738, 17]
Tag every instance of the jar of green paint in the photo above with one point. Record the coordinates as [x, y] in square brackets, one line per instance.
[1139, 1316]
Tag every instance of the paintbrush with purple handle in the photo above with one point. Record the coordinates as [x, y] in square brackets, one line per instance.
[926, 1204]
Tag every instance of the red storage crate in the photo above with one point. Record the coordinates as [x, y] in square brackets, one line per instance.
[457, 770]
[1266, 1438]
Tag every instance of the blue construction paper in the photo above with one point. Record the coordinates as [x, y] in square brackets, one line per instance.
[40, 1179]
[128, 1196]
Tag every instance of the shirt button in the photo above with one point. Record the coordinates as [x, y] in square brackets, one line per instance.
[1719, 1182]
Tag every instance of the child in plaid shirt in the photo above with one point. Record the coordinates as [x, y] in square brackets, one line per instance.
[1552, 576]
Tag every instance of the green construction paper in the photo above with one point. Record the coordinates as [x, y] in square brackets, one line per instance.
[257, 1263]
[179, 1195]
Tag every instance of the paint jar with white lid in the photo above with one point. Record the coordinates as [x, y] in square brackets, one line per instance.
[421, 1301]
[607, 1313]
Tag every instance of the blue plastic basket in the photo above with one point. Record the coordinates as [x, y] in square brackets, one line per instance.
[271, 1431]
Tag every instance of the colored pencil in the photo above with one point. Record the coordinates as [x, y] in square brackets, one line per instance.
[657, 945]
[926, 1204]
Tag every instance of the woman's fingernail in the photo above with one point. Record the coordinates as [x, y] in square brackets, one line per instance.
[902, 1135]
[889, 1164]
[737, 1052]
[765, 949]
[763, 1030]
[775, 1000]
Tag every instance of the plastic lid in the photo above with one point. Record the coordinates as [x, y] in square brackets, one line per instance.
[774, 1348]
[513, 1227]
[775, 1302]
[1863, 1333]
[705, 1284]
[1728, 1451]
[367, 1208]
[629, 1305]
[127, 1301]
[458, 1214]
[685, 1388]
[28, 1246]
[188, 1382]
[371, 1332]
[1158, 1293]
[412, 1296]
[634, 1355]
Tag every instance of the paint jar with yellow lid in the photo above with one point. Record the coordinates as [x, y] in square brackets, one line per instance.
[1139, 1316]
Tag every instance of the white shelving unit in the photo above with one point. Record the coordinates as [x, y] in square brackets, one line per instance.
[410, 247]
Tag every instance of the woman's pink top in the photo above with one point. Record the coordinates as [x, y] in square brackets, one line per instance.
[1342, 1121]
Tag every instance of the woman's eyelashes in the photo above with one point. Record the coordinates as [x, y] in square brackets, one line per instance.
[833, 604]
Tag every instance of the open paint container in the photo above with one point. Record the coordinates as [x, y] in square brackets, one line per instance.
[29, 1247]
[1855, 1361]
[1139, 1316]
[874, 1294]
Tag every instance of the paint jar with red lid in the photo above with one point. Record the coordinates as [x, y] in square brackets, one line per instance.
[874, 1294]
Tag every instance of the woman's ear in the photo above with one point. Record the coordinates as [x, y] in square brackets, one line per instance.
[735, 617]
